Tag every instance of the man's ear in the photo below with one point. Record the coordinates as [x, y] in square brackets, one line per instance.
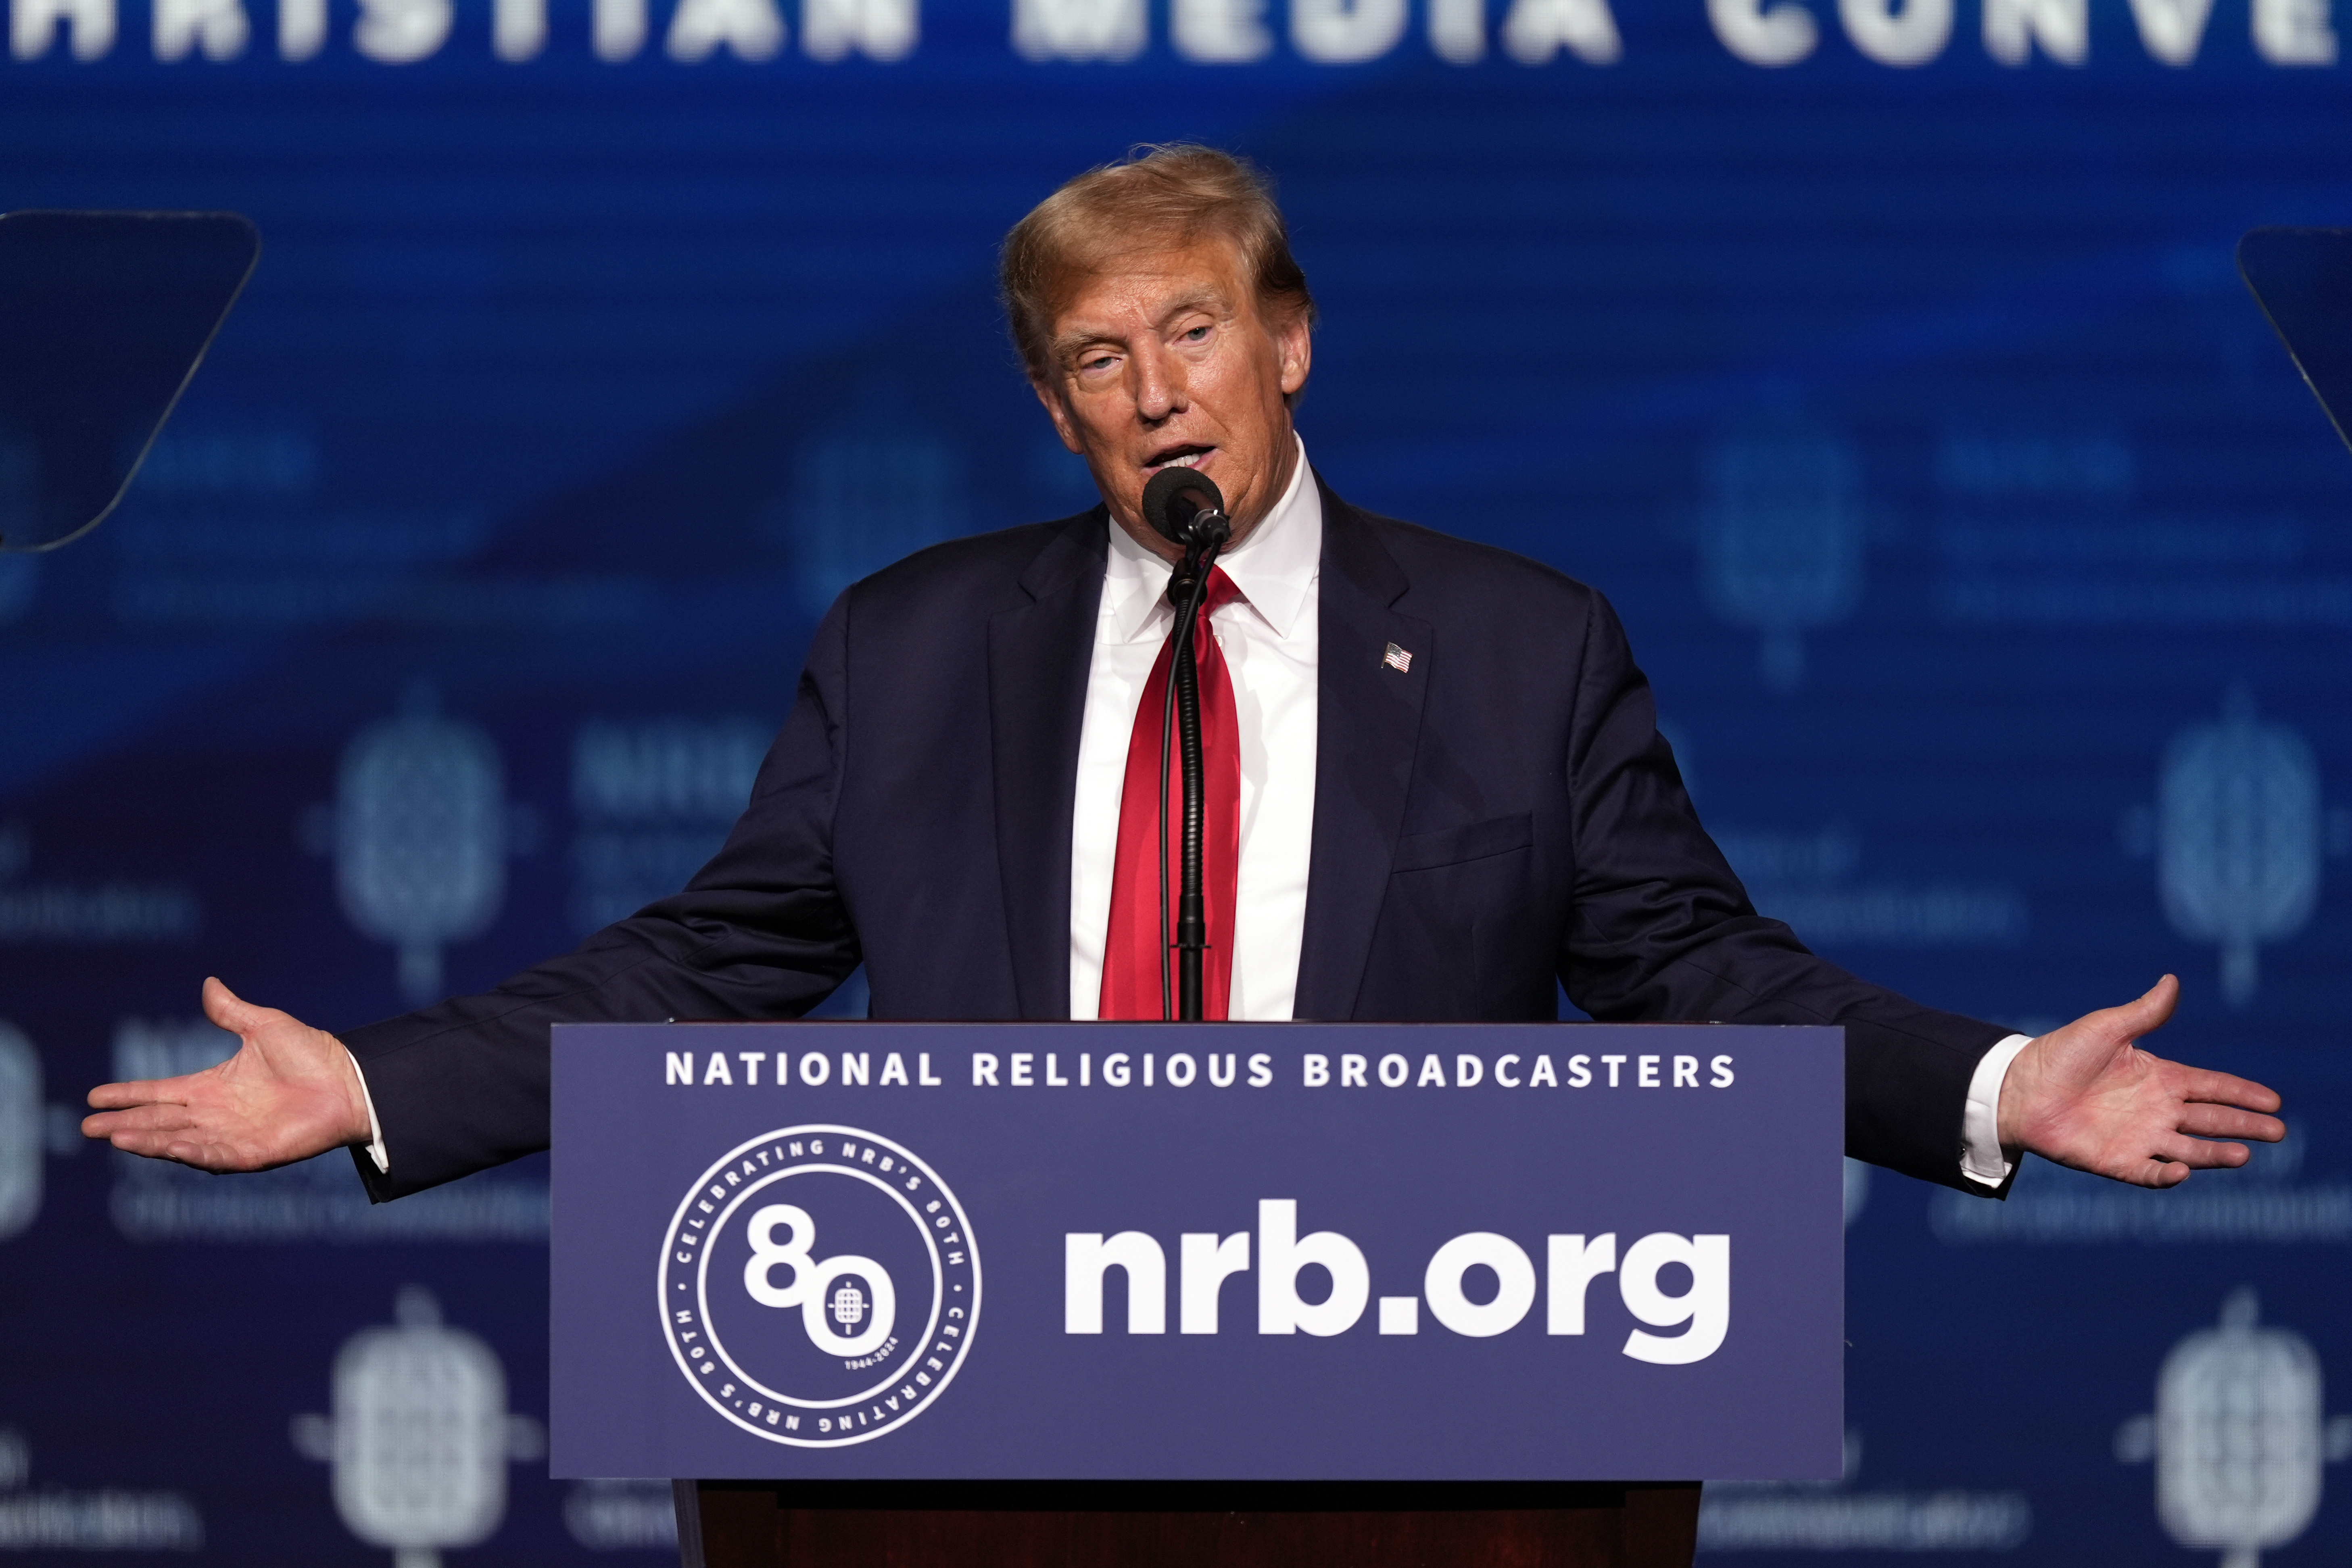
[1063, 426]
[1295, 342]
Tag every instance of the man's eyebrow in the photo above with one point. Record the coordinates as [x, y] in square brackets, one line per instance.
[1071, 344]
[1210, 298]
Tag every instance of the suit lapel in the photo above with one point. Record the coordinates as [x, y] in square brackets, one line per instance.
[1367, 722]
[1039, 655]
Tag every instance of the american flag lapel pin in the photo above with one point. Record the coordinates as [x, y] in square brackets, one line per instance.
[1398, 660]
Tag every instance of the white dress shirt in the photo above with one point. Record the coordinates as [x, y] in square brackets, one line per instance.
[1270, 636]
[1981, 1159]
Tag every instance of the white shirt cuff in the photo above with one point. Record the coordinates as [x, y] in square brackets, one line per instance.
[1981, 1160]
[375, 1129]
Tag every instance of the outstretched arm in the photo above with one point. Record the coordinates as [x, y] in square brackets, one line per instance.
[761, 931]
[290, 1092]
[2087, 1096]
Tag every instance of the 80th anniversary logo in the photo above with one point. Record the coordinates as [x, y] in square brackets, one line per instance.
[819, 1285]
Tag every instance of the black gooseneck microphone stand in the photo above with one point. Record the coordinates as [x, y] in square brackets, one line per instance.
[1187, 508]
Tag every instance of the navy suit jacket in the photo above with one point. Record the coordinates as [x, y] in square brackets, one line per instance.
[1503, 812]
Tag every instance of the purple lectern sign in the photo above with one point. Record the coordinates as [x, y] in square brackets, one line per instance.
[1121, 1251]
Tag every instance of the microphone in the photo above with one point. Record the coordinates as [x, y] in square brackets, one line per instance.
[1184, 507]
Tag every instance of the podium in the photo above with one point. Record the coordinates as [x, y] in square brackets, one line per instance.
[756, 1524]
[1225, 1294]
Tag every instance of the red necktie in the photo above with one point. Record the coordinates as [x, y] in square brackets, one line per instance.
[1131, 954]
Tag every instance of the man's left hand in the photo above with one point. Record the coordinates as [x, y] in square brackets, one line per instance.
[2087, 1096]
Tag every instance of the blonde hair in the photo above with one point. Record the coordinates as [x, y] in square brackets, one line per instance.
[1156, 197]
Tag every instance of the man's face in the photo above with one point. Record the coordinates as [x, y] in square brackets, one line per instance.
[1164, 356]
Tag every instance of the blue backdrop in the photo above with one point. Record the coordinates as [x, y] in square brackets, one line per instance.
[1887, 369]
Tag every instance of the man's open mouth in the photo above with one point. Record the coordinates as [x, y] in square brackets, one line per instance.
[1186, 456]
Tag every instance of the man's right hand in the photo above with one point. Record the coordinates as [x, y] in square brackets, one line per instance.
[291, 1092]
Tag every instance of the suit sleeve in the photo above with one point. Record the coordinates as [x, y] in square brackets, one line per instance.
[1661, 929]
[760, 932]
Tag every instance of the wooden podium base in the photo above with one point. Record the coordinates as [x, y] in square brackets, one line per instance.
[1173, 1524]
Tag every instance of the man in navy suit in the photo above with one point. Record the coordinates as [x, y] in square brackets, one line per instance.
[1447, 792]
